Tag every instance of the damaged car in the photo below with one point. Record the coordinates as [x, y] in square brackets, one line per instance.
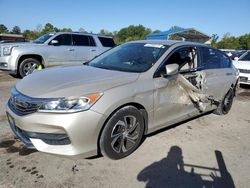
[108, 105]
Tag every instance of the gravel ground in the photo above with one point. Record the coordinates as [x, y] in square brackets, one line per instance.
[209, 151]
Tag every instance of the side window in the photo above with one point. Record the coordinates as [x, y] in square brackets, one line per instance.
[225, 61]
[245, 57]
[80, 40]
[107, 42]
[211, 58]
[186, 58]
[64, 39]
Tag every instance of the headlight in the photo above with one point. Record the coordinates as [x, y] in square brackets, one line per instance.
[70, 105]
[7, 50]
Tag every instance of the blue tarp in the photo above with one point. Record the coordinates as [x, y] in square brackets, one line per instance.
[163, 35]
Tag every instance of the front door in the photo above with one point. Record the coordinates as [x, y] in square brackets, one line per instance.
[172, 102]
[62, 53]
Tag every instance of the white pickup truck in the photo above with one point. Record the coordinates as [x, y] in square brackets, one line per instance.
[52, 49]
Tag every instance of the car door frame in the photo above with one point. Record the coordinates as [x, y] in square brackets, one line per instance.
[161, 82]
[67, 51]
[218, 77]
[85, 53]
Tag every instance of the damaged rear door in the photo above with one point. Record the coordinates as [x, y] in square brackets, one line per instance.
[217, 68]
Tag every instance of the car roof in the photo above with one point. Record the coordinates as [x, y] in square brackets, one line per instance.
[168, 42]
[81, 33]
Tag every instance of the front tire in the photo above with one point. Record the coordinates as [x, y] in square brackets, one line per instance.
[28, 66]
[226, 104]
[122, 133]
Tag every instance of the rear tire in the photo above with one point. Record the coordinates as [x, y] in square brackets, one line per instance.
[28, 66]
[226, 104]
[122, 133]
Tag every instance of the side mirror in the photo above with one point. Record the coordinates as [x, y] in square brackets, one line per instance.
[171, 69]
[54, 42]
[236, 58]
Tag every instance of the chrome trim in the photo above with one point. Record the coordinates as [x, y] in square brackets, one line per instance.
[244, 71]
[24, 105]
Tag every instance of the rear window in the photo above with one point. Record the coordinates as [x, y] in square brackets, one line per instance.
[83, 40]
[107, 42]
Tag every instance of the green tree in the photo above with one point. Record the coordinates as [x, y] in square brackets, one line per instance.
[3, 28]
[132, 32]
[16, 30]
[65, 30]
[244, 41]
[156, 31]
[82, 30]
[48, 28]
[105, 32]
[228, 42]
[31, 35]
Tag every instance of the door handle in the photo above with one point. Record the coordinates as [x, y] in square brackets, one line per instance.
[92, 50]
[229, 73]
[71, 49]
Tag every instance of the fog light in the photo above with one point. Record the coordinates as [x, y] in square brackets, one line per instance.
[3, 65]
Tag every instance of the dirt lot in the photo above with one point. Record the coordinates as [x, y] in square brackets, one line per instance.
[209, 151]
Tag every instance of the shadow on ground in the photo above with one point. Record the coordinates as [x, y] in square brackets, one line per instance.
[171, 171]
[14, 146]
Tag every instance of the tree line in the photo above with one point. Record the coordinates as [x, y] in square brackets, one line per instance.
[132, 32]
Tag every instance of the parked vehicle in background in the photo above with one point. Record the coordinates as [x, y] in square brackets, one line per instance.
[229, 52]
[52, 49]
[243, 65]
[109, 104]
[233, 53]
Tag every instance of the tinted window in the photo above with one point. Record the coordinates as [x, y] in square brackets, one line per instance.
[225, 61]
[210, 58]
[83, 40]
[107, 42]
[245, 57]
[43, 38]
[130, 57]
[64, 39]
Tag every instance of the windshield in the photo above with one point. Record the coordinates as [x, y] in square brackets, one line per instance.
[43, 38]
[130, 57]
[245, 57]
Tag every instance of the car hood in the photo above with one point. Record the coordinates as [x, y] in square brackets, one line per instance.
[242, 64]
[72, 81]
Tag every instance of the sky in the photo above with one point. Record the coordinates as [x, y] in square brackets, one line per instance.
[209, 16]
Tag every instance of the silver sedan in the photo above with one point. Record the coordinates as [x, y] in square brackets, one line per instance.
[108, 105]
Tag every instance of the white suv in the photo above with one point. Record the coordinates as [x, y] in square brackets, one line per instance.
[52, 49]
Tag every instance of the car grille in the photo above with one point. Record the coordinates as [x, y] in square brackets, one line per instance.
[244, 71]
[23, 105]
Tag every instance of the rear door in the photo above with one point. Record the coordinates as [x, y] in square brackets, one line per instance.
[219, 74]
[85, 48]
[61, 53]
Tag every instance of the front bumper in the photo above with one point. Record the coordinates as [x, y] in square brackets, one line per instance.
[244, 78]
[7, 65]
[80, 131]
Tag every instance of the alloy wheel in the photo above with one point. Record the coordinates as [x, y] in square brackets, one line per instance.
[125, 134]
